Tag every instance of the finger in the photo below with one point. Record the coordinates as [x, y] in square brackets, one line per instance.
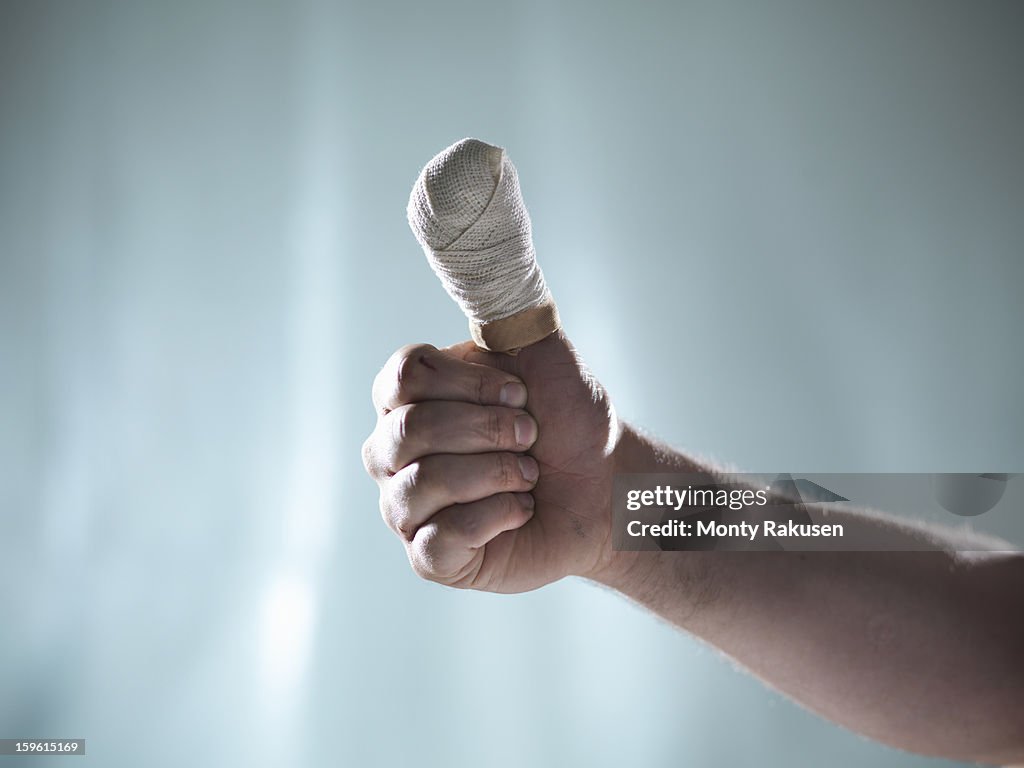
[443, 426]
[449, 547]
[427, 486]
[421, 372]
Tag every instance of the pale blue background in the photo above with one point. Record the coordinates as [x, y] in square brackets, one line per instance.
[785, 235]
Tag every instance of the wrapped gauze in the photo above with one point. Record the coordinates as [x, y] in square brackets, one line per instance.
[467, 212]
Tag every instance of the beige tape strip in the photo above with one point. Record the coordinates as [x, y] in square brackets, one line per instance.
[512, 333]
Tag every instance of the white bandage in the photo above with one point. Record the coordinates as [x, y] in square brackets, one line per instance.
[467, 212]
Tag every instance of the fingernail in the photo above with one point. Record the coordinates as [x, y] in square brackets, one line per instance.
[526, 430]
[525, 500]
[513, 395]
[529, 469]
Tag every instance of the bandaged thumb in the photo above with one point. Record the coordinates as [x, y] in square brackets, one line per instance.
[467, 212]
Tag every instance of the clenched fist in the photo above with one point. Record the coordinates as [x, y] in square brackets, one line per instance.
[495, 471]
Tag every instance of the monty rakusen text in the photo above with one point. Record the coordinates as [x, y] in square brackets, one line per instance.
[699, 499]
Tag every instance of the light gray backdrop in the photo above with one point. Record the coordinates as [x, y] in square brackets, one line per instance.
[787, 235]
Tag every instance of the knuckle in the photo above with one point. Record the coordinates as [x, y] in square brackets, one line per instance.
[384, 504]
[374, 455]
[425, 552]
[367, 454]
[507, 470]
[510, 508]
[492, 426]
[405, 374]
[403, 424]
[411, 361]
[417, 479]
[378, 389]
[391, 385]
[481, 387]
[404, 489]
[392, 512]
[417, 564]
[415, 350]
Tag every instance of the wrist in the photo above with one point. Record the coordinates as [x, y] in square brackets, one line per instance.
[626, 571]
[644, 575]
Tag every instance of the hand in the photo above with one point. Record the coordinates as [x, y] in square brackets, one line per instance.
[495, 470]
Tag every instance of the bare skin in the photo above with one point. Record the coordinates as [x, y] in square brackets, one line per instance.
[921, 650]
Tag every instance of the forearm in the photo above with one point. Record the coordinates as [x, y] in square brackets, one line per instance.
[922, 650]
